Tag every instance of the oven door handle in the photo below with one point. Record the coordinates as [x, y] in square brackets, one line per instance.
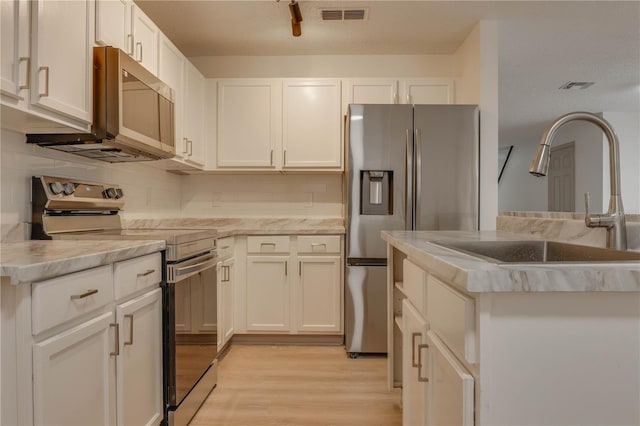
[209, 263]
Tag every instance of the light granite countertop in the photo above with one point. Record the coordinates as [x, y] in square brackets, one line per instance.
[29, 261]
[475, 275]
[247, 226]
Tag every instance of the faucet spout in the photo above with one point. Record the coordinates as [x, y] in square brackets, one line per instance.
[614, 219]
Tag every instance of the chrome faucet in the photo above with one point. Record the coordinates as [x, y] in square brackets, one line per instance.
[613, 219]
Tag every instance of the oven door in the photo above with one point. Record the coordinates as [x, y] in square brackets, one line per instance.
[191, 321]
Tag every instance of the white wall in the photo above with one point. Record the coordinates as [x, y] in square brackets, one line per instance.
[326, 66]
[150, 192]
[262, 195]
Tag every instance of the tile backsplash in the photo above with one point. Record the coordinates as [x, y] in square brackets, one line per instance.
[153, 193]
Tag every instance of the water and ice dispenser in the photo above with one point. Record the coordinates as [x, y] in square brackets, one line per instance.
[376, 192]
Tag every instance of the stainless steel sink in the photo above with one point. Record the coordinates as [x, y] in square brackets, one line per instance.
[538, 252]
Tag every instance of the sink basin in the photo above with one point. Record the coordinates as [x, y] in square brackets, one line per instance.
[538, 252]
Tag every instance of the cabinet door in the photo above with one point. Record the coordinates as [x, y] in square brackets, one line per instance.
[139, 365]
[146, 38]
[450, 393]
[428, 91]
[370, 91]
[15, 47]
[74, 376]
[312, 121]
[61, 76]
[171, 70]
[194, 115]
[225, 302]
[414, 366]
[113, 24]
[249, 122]
[318, 293]
[268, 293]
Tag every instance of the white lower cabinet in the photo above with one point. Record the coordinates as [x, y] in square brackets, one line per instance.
[268, 293]
[139, 364]
[74, 375]
[293, 284]
[318, 289]
[84, 348]
[414, 366]
[450, 394]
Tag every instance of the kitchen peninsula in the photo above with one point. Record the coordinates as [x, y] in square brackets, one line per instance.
[510, 343]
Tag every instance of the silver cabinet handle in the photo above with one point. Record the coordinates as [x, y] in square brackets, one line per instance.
[420, 347]
[139, 45]
[130, 342]
[286, 268]
[117, 351]
[148, 272]
[190, 145]
[130, 44]
[271, 161]
[85, 294]
[408, 98]
[413, 350]
[395, 97]
[417, 178]
[46, 81]
[184, 148]
[299, 268]
[28, 76]
[227, 273]
[285, 158]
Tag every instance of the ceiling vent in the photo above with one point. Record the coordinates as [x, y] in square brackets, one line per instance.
[344, 14]
[576, 85]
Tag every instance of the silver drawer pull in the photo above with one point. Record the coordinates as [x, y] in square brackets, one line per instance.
[413, 350]
[420, 364]
[144, 274]
[130, 342]
[267, 244]
[85, 294]
[224, 247]
[315, 246]
[117, 351]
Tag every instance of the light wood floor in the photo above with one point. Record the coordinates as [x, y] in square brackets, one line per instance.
[300, 385]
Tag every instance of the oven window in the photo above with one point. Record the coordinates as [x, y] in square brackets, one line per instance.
[196, 329]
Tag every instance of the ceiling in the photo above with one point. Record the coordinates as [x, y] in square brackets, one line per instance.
[542, 44]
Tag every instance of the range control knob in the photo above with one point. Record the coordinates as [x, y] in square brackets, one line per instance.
[56, 187]
[110, 193]
[69, 188]
[119, 193]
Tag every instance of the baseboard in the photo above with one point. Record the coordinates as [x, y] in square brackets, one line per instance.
[288, 339]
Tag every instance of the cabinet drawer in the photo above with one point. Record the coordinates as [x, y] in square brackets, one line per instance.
[136, 274]
[414, 285]
[452, 315]
[225, 247]
[64, 298]
[319, 244]
[268, 244]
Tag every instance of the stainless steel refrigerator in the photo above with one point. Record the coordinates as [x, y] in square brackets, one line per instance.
[409, 167]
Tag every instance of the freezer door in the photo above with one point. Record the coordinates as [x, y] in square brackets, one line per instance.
[380, 139]
[447, 143]
[366, 309]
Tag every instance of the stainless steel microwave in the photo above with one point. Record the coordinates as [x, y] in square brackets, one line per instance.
[133, 114]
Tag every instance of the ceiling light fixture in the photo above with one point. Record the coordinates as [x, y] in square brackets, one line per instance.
[296, 18]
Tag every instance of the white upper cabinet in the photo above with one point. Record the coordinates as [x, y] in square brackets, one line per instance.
[249, 122]
[428, 91]
[311, 124]
[194, 104]
[61, 71]
[369, 91]
[113, 24]
[14, 70]
[145, 41]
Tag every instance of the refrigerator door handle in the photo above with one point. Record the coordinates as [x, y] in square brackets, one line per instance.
[408, 184]
[417, 179]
